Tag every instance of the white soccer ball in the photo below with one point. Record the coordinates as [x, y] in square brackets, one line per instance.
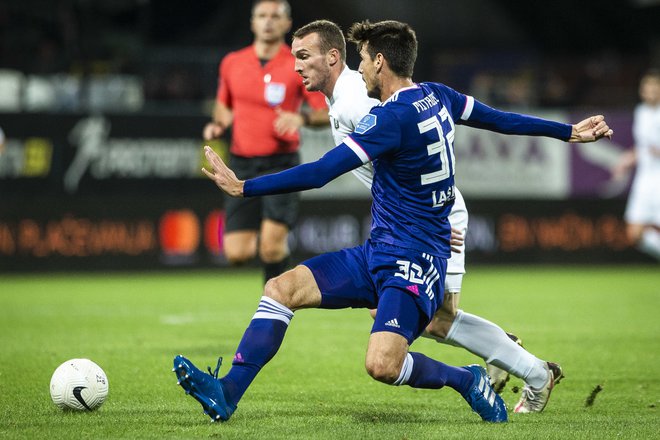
[79, 384]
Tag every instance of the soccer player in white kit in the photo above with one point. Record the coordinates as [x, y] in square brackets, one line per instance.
[642, 214]
[320, 52]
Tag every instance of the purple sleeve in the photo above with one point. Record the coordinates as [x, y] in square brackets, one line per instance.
[333, 164]
[491, 119]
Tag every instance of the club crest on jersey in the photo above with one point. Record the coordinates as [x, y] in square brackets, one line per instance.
[365, 124]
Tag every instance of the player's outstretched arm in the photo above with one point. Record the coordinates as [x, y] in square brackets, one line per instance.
[590, 130]
[334, 163]
[222, 176]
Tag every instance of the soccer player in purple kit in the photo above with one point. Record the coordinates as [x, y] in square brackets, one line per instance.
[320, 51]
[400, 270]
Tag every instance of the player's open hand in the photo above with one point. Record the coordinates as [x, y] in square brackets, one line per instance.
[591, 129]
[222, 176]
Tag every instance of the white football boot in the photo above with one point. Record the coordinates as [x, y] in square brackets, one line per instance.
[534, 400]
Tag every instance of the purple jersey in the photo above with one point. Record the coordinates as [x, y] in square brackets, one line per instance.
[410, 140]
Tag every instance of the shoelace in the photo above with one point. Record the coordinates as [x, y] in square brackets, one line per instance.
[217, 369]
[530, 397]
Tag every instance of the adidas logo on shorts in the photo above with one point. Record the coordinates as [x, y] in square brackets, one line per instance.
[393, 323]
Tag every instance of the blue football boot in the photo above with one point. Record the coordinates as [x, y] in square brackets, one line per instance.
[206, 388]
[482, 397]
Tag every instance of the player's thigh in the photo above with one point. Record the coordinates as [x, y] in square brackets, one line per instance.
[343, 279]
[399, 312]
[295, 289]
[386, 353]
[398, 322]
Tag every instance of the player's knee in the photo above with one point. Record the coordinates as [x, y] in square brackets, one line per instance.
[279, 291]
[239, 248]
[382, 369]
[272, 253]
[237, 257]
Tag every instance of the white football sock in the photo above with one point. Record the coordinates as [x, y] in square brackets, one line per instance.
[650, 243]
[488, 341]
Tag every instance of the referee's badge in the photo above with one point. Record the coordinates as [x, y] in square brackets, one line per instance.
[274, 93]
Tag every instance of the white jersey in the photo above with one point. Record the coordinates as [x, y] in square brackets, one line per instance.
[644, 201]
[349, 103]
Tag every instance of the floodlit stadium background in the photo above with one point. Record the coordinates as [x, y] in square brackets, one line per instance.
[102, 104]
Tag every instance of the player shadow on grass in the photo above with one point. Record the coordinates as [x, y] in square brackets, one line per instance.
[382, 414]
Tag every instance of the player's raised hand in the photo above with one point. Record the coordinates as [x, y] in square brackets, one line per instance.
[222, 176]
[591, 129]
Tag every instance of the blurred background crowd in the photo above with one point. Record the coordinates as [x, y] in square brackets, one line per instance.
[102, 103]
[162, 55]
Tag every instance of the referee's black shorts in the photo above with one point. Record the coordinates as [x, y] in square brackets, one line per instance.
[247, 213]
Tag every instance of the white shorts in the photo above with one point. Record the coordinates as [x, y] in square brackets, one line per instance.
[458, 218]
[643, 206]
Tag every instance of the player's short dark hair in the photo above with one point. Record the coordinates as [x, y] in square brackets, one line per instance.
[395, 40]
[330, 36]
[287, 6]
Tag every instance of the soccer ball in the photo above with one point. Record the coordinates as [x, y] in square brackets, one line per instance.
[79, 384]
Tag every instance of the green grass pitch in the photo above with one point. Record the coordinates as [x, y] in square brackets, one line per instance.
[601, 324]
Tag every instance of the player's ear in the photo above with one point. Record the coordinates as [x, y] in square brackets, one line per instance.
[379, 62]
[333, 57]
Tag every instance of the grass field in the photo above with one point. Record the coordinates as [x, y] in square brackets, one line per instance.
[601, 324]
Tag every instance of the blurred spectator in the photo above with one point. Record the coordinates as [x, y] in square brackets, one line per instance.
[643, 211]
[2, 141]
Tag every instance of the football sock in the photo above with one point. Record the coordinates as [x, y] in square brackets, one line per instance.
[271, 270]
[260, 342]
[419, 371]
[488, 341]
[649, 242]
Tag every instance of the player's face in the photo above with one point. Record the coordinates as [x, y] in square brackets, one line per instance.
[312, 65]
[649, 90]
[369, 73]
[270, 22]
